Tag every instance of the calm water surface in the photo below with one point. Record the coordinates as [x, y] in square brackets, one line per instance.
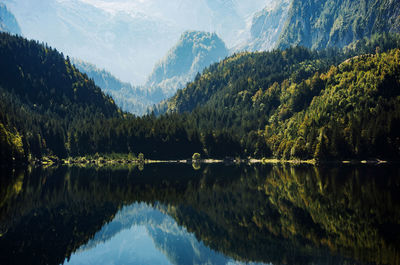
[173, 214]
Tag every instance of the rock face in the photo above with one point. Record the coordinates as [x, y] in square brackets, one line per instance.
[319, 24]
[267, 26]
[8, 23]
[194, 51]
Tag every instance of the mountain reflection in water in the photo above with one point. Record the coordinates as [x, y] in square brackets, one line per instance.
[172, 214]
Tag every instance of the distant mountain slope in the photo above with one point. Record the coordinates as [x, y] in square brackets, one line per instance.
[320, 24]
[127, 37]
[195, 51]
[128, 44]
[129, 98]
[267, 26]
[8, 23]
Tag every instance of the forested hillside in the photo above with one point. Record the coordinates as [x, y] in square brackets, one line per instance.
[265, 98]
[41, 95]
[296, 103]
[48, 107]
[355, 113]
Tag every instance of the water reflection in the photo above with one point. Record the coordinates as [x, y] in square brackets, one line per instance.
[215, 215]
[142, 234]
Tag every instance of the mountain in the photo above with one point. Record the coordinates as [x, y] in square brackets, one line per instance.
[295, 104]
[42, 94]
[303, 104]
[331, 23]
[266, 27]
[49, 108]
[195, 51]
[320, 24]
[347, 112]
[44, 79]
[131, 99]
[127, 37]
[8, 23]
[128, 44]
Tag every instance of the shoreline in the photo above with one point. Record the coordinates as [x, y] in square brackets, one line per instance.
[102, 161]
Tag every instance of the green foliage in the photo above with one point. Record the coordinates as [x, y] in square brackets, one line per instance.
[356, 114]
[196, 156]
[42, 95]
[11, 148]
[141, 157]
[58, 111]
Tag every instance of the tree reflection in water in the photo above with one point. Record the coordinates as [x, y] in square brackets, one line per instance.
[272, 214]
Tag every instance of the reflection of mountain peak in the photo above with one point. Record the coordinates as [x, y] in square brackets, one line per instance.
[182, 247]
[133, 215]
[179, 246]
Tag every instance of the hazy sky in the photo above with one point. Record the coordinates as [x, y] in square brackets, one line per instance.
[168, 8]
[222, 16]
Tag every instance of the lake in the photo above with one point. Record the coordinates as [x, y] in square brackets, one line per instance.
[218, 214]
